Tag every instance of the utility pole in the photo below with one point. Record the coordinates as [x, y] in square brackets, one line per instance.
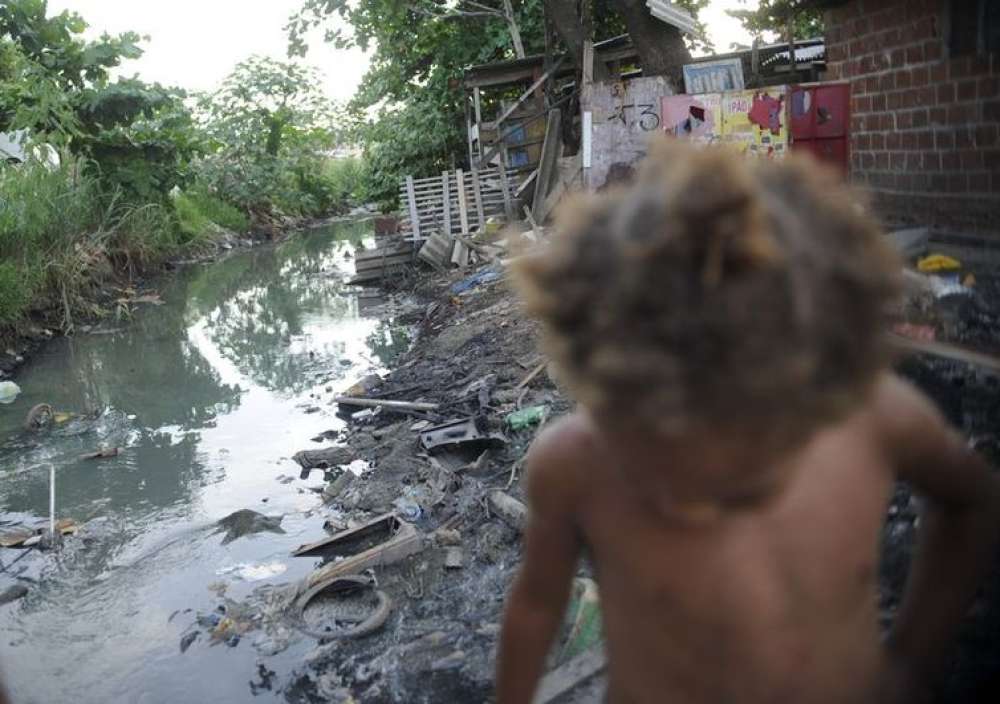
[515, 31]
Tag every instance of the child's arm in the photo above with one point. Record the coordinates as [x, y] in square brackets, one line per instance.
[537, 601]
[958, 530]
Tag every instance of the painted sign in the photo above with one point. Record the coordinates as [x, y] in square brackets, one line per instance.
[694, 117]
[714, 76]
[754, 122]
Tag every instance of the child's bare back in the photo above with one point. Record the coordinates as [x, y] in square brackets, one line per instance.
[736, 549]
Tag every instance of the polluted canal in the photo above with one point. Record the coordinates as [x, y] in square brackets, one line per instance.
[207, 390]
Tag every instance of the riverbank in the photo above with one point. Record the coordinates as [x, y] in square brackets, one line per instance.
[112, 293]
[476, 360]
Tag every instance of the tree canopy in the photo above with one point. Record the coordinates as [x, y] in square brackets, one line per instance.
[774, 16]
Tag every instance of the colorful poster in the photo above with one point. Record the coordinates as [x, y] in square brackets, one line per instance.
[713, 76]
[694, 117]
[756, 121]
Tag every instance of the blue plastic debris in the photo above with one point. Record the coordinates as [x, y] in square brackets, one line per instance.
[483, 277]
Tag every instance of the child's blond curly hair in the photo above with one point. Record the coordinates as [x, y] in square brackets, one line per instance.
[716, 292]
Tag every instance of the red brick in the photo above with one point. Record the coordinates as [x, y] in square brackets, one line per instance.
[950, 161]
[960, 114]
[882, 160]
[893, 140]
[897, 160]
[989, 87]
[872, 84]
[959, 67]
[903, 78]
[925, 139]
[938, 72]
[944, 139]
[886, 82]
[920, 117]
[862, 141]
[867, 160]
[860, 26]
[855, 123]
[904, 181]
[939, 182]
[834, 72]
[888, 121]
[967, 90]
[915, 54]
[861, 104]
[856, 161]
[971, 159]
[878, 102]
[904, 120]
[909, 140]
[920, 182]
[897, 58]
[946, 93]
[933, 51]
[909, 99]
[979, 182]
[987, 136]
[836, 52]
[964, 137]
[931, 161]
[913, 160]
[925, 28]
[991, 159]
[856, 48]
[878, 141]
[882, 20]
[925, 96]
[858, 86]
[919, 76]
[938, 116]
[991, 111]
[958, 183]
[979, 65]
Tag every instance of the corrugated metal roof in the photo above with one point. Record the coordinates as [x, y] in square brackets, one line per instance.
[803, 54]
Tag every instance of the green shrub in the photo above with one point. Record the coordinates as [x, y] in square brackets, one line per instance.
[217, 210]
[192, 222]
[17, 290]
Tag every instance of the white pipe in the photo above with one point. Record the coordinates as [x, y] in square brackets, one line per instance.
[52, 499]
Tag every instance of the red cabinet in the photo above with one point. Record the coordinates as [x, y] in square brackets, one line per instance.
[820, 118]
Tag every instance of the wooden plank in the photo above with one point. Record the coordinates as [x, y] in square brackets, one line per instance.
[526, 183]
[588, 62]
[414, 216]
[463, 213]
[547, 166]
[385, 403]
[446, 202]
[567, 677]
[528, 93]
[478, 195]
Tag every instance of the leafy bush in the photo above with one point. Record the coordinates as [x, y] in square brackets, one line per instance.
[217, 210]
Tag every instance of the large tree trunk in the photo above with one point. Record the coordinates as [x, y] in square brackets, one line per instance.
[660, 46]
[565, 18]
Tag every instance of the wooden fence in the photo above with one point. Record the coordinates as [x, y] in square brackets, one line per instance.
[456, 202]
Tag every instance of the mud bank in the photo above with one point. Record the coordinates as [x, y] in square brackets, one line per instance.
[476, 358]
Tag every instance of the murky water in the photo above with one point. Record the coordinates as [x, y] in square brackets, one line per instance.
[207, 397]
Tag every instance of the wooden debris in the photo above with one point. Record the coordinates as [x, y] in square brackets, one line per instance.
[512, 511]
[568, 677]
[103, 453]
[531, 377]
[387, 404]
[946, 350]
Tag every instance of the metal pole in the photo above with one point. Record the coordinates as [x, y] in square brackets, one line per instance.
[52, 499]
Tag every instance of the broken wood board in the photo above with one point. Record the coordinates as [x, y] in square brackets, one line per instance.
[564, 679]
[947, 351]
[436, 250]
[382, 541]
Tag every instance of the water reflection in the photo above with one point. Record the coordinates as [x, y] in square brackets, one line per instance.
[205, 396]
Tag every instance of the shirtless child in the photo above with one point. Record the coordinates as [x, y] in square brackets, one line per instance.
[721, 324]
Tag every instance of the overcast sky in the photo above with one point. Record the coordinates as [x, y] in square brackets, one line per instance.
[194, 44]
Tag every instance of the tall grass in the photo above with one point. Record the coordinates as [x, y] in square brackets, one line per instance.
[62, 238]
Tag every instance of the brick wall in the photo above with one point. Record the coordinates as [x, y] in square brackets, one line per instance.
[924, 131]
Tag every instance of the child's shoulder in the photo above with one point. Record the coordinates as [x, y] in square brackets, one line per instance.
[561, 456]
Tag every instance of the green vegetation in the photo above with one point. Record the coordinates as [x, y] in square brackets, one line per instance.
[144, 172]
